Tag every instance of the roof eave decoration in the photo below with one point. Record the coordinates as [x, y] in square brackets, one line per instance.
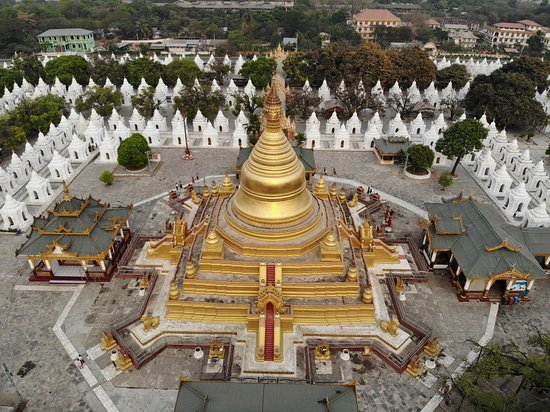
[503, 244]
[512, 273]
[62, 246]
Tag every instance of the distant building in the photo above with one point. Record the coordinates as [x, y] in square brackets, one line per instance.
[464, 39]
[67, 40]
[516, 34]
[366, 22]
[455, 27]
[432, 24]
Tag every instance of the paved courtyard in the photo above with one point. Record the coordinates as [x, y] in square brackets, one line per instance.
[37, 368]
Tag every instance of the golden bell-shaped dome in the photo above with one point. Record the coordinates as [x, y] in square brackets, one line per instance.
[272, 191]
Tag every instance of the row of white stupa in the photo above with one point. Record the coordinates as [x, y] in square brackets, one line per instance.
[475, 67]
[11, 99]
[500, 165]
[207, 66]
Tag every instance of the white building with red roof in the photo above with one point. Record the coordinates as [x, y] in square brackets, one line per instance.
[366, 22]
[516, 34]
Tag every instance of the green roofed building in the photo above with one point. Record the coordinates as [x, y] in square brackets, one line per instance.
[66, 40]
[488, 258]
[306, 156]
[79, 240]
[265, 397]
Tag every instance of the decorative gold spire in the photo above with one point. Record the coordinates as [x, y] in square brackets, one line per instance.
[190, 271]
[227, 186]
[214, 188]
[320, 190]
[273, 192]
[352, 274]
[66, 195]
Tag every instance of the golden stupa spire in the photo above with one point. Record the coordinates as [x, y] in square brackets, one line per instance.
[66, 195]
[273, 189]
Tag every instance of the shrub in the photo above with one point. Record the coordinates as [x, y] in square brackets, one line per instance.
[420, 157]
[445, 180]
[107, 178]
[132, 152]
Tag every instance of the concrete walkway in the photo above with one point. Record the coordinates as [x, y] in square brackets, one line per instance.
[470, 359]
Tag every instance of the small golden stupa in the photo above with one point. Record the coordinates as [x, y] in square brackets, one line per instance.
[278, 236]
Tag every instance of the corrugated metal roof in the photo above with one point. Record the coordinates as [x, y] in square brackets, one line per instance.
[485, 228]
[265, 397]
[65, 32]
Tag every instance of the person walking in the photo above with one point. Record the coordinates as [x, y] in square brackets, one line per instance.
[80, 359]
[78, 364]
[114, 357]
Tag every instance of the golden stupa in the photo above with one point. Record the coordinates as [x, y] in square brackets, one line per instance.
[256, 254]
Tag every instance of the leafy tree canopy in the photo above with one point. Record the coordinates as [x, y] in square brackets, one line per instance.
[187, 70]
[132, 152]
[145, 68]
[460, 139]
[259, 71]
[107, 68]
[508, 98]
[28, 118]
[145, 102]
[420, 156]
[534, 69]
[7, 78]
[191, 99]
[30, 67]
[102, 99]
[456, 73]
[67, 67]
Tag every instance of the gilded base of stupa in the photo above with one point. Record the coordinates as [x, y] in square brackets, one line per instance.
[273, 256]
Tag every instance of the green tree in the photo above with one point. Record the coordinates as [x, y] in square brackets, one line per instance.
[30, 67]
[297, 69]
[28, 118]
[107, 68]
[145, 102]
[302, 103]
[102, 99]
[192, 99]
[67, 67]
[186, 69]
[507, 97]
[300, 139]
[144, 68]
[488, 383]
[535, 45]
[132, 152]
[247, 104]
[218, 71]
[7, 78]
[456, 73]
[107, 177]
[421, 157]
[259, 71]
[253, 128]
[534, 69]
[445, 180]
[462, 138]
[385, 35]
